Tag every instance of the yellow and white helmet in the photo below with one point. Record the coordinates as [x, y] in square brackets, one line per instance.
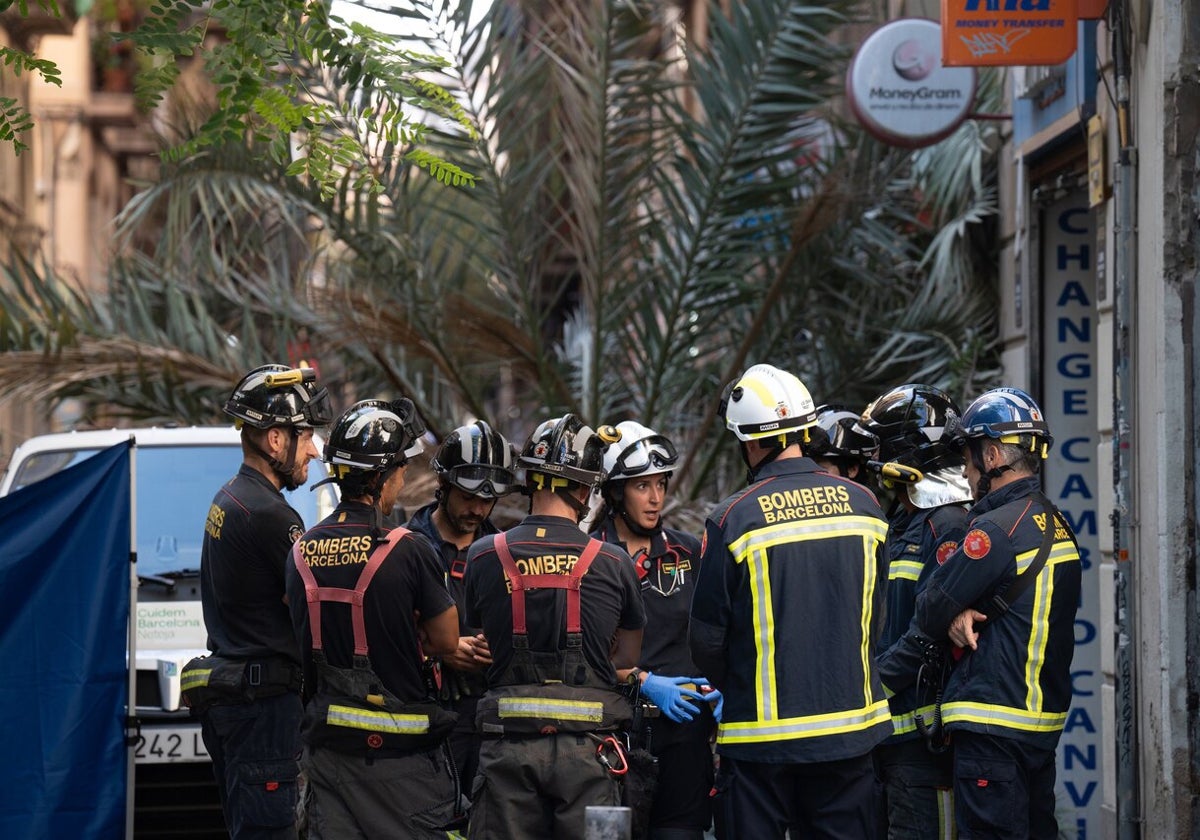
[767, 402]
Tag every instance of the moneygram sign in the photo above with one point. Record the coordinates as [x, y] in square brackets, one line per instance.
[899, 89]
[978, 33]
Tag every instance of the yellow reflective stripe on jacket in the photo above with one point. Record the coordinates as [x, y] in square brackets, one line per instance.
[868, 604]
[905, 570]
[545, 707]
[993, 715]
[826, 527]
[1039, 634]
[809, 726]
[377, 721]
[751, 549]
[907, 722]
[764, 633]
[195, 678]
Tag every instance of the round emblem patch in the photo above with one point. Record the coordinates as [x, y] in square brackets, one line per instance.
[295, 532]
[945, 550]
[977, 544]
[374, 741]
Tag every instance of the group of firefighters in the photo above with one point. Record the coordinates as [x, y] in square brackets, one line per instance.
[861, 674]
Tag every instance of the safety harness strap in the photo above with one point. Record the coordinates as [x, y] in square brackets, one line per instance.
[316, 595]
[1002, 602]
[521, 582]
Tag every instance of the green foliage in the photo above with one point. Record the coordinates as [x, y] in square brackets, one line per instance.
[14, 119]
[637, 232]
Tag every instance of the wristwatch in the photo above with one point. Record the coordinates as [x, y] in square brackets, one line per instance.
[635, 676]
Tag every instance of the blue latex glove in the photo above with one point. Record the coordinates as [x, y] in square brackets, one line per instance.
[718, 700]
[671, 697]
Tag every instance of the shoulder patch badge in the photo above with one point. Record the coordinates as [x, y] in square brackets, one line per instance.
[977, 544]
[295, 532]
[946, 549]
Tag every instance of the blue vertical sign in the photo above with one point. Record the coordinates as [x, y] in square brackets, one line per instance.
[1069, 401]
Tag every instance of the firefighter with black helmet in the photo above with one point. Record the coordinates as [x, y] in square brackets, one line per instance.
[366, 603]
[638, 468]
[839, 444]
[561, 612]
[1009, 595]
[927, 522]
[787, 610]
[246, 693]
[474, 466]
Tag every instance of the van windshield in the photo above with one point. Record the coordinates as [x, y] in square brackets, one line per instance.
[175, 486]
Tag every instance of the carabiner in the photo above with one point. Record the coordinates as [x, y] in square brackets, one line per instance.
[611, 746]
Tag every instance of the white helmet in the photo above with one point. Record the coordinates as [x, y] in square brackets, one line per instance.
[767, 402]
[639, 451]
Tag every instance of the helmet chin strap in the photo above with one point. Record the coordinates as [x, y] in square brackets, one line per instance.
[984, 485]
[283, 469]
[581, 508]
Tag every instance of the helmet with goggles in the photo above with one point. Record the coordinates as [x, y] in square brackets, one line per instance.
[276, 395]
[478, 460]
[373, 436]
[838, 435]
[766, 402]
[564, 448]
[639, 451]
[912, 423]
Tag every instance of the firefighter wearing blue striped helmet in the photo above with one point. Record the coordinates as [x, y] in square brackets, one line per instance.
[1012, 422]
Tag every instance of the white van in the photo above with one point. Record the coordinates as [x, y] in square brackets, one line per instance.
[178, 472]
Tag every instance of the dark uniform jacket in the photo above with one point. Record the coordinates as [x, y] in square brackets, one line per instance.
[668, 578]
[454, 683]
[408, 583]
[248, 536]
[787, 615]
[917, 543]
[609, 597]
[1018, 683]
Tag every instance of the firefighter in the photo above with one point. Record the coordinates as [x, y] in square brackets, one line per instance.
[561, 612]
[928, 519]
[1008, 594]
[246, 693]
[362, 598]
[474, 466]
[839, 444]
[638, 470]
[786, 614]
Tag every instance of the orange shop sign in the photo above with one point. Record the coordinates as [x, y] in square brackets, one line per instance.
[977, 33]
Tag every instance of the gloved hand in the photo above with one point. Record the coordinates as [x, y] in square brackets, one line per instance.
[716, 698]
[671, 697]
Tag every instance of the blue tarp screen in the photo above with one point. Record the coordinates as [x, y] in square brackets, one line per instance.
[64, 609]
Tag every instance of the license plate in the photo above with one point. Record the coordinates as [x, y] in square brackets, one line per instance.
[169, 744]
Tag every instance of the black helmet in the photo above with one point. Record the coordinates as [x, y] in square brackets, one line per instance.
[275, 395]
[910, 422]
[478, 460]
[838, 435]
[373, 435]
[565, 447]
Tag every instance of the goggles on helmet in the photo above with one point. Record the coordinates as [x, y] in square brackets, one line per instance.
[318, 411]
[482, 479]
[653, 452]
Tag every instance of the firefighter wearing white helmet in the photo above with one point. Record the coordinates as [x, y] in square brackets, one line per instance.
[787, 611]
[638, 468]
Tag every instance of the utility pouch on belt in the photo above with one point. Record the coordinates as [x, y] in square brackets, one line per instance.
[352, 711]
[220, 681]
